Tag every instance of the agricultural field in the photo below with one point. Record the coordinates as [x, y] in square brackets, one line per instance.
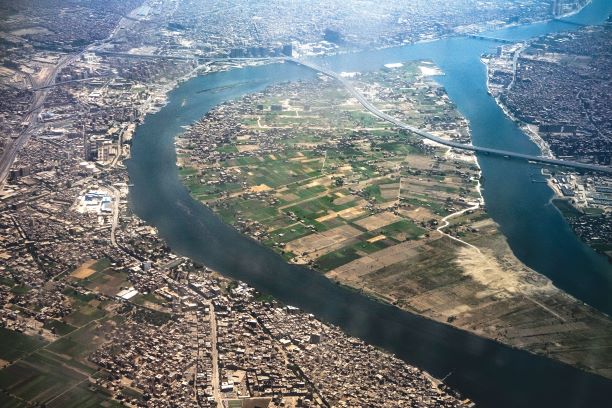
[52, 368]
[49, 379]
[14, 345]
[304, 169]
[311, 174]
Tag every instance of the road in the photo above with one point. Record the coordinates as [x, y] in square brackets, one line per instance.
[455, 214]
[478, 149]
[10, 153]
[72, 81]
[41, 91]
[215, 357]
[116, 209]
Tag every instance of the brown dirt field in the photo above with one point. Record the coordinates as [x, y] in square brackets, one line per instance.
[290, 197]
[330, 216]
[419, 214]
[247, 148]
[418, 162]
[389, 194]
[319, 244]
[378, 221]
[354, 270]
[344, 199]
[351, 213]
[261, 187]
[84, 270]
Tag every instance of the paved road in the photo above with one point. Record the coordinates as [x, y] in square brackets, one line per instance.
[478, 149]
[72, 81]
[116, 210]
[216, 382]
[10, 153]
[494, 39]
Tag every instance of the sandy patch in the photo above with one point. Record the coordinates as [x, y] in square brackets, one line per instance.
[84, 270]
[394, 65]
[247, 148]
[484, 223]
[487, 271]
[327, 217]
[322, 181]
[430, 71]
[350, 213]
[378, 221]
[31, 31]
[260, 188]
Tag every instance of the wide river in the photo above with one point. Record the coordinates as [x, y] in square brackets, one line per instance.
[490, 373]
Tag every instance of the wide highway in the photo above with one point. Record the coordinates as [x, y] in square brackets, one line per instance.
[10, 153]
[478, 149]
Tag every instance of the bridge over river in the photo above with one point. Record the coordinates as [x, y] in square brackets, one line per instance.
[478, 149]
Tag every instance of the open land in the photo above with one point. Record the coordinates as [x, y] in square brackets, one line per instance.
[330, 186]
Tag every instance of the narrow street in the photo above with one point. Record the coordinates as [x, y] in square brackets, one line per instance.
[216, 384]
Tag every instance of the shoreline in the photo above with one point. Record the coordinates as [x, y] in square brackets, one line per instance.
[526, 128]
[523, 275]
[479, 187]
[531, 131]
[175, 82]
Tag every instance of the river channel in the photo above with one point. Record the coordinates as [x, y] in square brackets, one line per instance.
[491, 374]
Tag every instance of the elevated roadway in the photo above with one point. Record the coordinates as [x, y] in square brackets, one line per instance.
[562, 20]
[40, 88]
[478, 149]
[11, 150]
[494, 39]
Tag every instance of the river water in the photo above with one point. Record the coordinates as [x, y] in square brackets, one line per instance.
[490, 373]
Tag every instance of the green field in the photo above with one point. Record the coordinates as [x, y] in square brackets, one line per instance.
[14, 345]
[58, 327]
[323, 154]
[80, 343]
[38, 378]
[57, 375]
[8, 401]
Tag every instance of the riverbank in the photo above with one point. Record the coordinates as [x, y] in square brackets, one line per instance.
[506, 377]
[357, 233]
[496, 91]
[581, 141]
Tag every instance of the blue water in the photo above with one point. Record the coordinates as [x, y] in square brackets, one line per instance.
[492, 374]
[536, 231]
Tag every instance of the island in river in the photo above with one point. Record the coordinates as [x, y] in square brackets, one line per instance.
[302, 168]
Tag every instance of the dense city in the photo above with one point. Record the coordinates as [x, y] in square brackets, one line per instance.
[97, 310]
[558, 86]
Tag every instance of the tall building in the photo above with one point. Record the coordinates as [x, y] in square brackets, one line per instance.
[86, 147]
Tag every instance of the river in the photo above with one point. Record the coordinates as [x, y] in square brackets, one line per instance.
[490, 373]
